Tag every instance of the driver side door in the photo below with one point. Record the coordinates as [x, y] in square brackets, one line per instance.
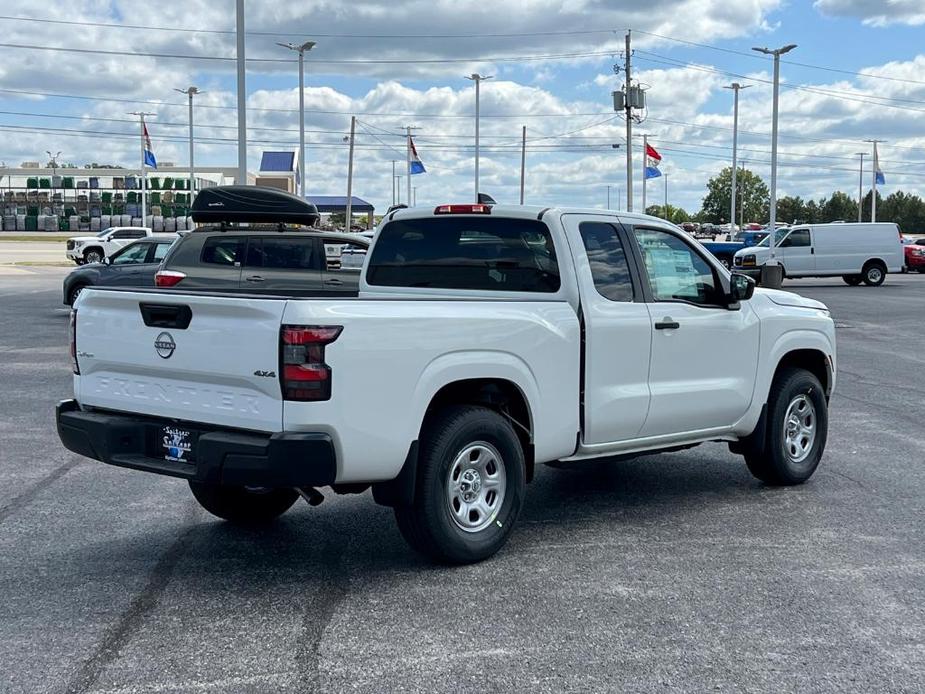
[704, 355]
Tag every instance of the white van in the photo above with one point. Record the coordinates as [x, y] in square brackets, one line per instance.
[858, 252]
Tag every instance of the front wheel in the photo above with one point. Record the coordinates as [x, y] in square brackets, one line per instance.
[74, 293]
[470, 486]
[93, 256]
[797, 428]
[852, 280]
[244, 505]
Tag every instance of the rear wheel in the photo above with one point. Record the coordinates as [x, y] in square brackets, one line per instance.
[796, 433]
[873, 274]
[244, 505]
[470, 486]
[853, 280]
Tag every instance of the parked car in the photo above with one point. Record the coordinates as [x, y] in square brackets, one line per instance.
[132, 266]
[485, 340]
[858, 253]
[298, 261]
[92, 249]
[915, 255]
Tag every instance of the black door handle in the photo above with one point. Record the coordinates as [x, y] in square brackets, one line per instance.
[254, 278]
[334, 282]
[667, 324]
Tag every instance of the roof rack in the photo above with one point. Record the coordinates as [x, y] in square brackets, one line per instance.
[252, 204]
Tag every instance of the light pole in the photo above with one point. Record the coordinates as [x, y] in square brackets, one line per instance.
[860, 184]
[301, 50]
[190, 91]
[772, 226]
[608, 197]
[477, 78]
[242, 94]
[735, 87]
[393, 181]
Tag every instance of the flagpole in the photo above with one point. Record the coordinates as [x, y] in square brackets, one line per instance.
[645, 156]
[408, 168]
[144, 172]
[875, 169]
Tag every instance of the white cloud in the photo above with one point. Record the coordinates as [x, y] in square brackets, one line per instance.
[878, 13]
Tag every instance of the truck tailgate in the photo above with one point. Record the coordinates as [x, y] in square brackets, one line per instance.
[199, 358]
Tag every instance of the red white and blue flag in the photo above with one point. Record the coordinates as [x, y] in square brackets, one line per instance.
[415, 166]
[653, 159]
[150, 160]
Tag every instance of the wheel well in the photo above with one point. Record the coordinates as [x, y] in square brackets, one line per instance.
[75, 287]
[874, 261]
[92, 248]
[494, 393]
[812, 360]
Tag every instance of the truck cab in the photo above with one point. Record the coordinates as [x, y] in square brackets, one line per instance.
[485, 340]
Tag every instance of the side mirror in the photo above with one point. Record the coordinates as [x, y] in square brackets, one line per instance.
[741, 287]
[106, 260]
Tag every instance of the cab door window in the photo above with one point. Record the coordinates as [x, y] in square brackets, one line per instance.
[798, 238]
[675, 270]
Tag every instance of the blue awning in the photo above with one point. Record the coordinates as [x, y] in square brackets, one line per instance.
[338, 203]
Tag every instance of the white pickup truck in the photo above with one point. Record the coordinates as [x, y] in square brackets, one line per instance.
[484, 340]
[92, 249]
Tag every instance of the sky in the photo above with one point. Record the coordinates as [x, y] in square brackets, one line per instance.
[858, 72]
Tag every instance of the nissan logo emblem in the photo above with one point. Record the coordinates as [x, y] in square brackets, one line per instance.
[164, 345]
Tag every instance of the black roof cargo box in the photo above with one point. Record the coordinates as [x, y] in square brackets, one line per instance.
[252, 204]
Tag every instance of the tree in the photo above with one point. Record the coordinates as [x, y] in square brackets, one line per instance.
[907, 210]
[791, 208]
[752, 196]
[337, 219]
[840, 207]
[676, 215]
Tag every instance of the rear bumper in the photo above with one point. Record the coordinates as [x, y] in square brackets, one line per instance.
[303, 459]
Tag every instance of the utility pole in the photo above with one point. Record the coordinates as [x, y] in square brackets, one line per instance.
[523, 162]
[301, 49]
[477, 78]
[629, 127]
[393, 181]
[349, 211]
[190, 92]
[144, 171]
[875, 169]
[242, 97]
[408, 129]
[772, 226]
[645, 148]
[608, 197]
[735, 87]
[860, 185]
[667, 216]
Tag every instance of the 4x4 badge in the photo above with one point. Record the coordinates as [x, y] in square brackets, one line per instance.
[265, 374]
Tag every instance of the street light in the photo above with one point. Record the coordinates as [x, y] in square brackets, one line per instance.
[860, 184]
[772, 227]
[190, 91]
[477, 78]
[301, 50]
[735, 87]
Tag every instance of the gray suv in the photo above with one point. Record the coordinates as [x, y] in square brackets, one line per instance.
[253, 260]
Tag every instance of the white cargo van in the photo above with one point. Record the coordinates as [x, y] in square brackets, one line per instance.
[857, 252]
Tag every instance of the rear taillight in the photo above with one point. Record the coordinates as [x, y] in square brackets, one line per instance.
[167, 278]
[463, 209]
[304, 375]
[72, 330]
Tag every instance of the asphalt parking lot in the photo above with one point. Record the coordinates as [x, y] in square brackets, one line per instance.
[676, 572]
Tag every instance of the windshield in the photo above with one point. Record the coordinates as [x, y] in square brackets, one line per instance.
[781, 233]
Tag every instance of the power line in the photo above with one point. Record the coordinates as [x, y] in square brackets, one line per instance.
[755, 56]
[231, 32]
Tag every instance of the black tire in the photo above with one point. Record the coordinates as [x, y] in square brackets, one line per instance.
[428, 524]
[93, 255]
[873, 273]
[772, 462]
[852, 280]
[242, 505]
[73, 294]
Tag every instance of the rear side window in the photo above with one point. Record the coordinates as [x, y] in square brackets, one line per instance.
[607, 259]
[282, 253]
[497, 254]
[222, 250]
[160, 252]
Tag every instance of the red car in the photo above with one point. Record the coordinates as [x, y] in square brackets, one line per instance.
[915, 255]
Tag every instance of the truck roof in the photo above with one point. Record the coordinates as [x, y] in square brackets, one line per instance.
[518, 211]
